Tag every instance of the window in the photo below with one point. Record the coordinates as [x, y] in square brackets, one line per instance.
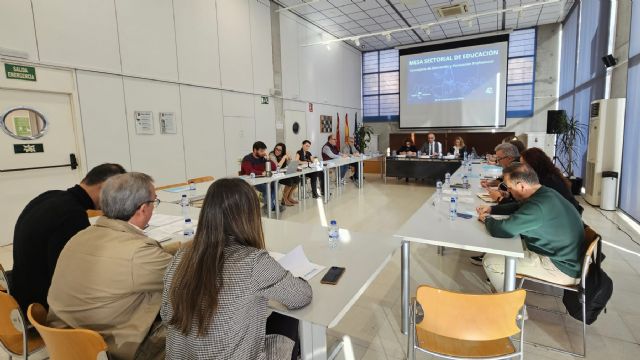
[381, 85]
[629, 194]
[381, 79]
[520, 73]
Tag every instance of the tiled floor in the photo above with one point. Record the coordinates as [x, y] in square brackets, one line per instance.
[371, 330]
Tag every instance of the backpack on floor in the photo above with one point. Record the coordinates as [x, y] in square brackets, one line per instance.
[599, 288]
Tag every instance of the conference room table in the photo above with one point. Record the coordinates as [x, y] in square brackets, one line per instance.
[363, 256]
[423, 167]
[431, 225]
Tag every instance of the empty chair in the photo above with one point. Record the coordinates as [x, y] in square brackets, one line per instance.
[15, 338]
[67, 344]
[591, 240]
[453, 325]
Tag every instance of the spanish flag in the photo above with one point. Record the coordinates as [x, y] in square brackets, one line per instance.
[346, 128]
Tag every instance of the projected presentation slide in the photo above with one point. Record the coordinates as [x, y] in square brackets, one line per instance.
[459, 87]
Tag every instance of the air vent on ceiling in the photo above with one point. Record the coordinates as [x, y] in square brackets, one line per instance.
[453, 10]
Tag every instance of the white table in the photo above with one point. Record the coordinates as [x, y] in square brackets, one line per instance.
[430, 224]
[336, 164]
[363, 256]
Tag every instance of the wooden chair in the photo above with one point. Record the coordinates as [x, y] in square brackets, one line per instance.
[200, 179]
[67, 344]
[94, 213]
[172, 186]
[15, 337]
[4, 281]
[591, 241]
[453, 325]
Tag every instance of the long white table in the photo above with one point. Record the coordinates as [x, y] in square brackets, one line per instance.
[430, 224]
[363, 256]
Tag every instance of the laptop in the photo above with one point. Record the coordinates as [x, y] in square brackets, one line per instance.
[292, 167]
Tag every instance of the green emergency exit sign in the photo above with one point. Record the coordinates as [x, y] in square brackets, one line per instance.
[20, 72]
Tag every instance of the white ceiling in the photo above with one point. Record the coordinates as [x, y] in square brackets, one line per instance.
[345, 18]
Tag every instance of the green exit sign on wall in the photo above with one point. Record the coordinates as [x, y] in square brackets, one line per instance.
[20, 72]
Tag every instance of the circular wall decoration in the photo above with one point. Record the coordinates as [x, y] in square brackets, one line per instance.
[296, 127]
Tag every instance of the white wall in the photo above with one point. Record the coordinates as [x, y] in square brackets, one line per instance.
[208, 61]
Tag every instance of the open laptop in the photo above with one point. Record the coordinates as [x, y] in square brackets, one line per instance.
[292, 167]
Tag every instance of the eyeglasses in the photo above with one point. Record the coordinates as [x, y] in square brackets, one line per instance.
[155, 202]
[278, 149]
[501, 158]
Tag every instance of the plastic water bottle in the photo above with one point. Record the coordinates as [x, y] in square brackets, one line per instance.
[469, 168]
[187, 229]
[439, 190]
[453, 206]
[447, 180]
[192, 186]
[334, 234]
[184, 203]
[465, 157]
[465, 181]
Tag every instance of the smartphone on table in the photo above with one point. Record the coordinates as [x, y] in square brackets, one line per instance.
[333, 275]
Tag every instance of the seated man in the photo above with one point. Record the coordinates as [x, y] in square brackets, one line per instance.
[44, 227]
[548, 224]
[255, 163]
[506, 154]
[408, 148]
[109, 276]
[432, 147]
[330, 151]
[349, 149]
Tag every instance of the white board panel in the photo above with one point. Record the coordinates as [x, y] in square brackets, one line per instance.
[261, 47]
[159, 155]
[265, 121]
[104, 122]
[239, 136]
[80, 33]
[197, 42]
[234, 27]
[289, 48]
[203, 126]
[147, 38]
[235, 104]
[16, 28]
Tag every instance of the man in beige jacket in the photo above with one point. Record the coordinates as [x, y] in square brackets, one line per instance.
[109, 276]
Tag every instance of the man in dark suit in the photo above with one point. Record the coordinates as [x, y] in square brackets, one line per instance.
[43, 229]
[432, 147]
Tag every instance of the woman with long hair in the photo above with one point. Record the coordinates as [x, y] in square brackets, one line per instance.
[281, 157]
[458, 149]
[217, 287]
[548, 174]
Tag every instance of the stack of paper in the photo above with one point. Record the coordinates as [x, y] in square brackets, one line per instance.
[297, 263]
[166, 227]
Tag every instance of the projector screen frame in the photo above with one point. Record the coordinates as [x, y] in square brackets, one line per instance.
[476, 41]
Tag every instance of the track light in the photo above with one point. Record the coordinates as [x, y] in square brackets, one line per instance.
[357, 41]
[427, 30]
[470, 23]
[388, 36]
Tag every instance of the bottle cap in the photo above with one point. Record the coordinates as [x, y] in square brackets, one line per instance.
[333, 222]
[187, 220]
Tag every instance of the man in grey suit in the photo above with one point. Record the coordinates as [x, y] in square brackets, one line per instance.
[432, 147]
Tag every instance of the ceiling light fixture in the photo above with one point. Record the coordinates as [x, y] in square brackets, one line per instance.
[470, 23]
[387, 33]
[357, 41]
[427, 30]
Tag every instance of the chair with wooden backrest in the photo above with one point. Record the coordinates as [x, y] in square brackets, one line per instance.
[67, 344]
[453, 325]
[200, 179]
[591, 241]
[163, 187]
[4, 281]
[15, 337]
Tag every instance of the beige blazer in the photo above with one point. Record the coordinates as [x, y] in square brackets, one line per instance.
[109, 279]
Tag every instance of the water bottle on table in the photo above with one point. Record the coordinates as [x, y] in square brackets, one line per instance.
[469, 168]
[187, 229]
[447, 180]
[334, 234]
[453, 205]
[184, 204]
[465, 181]
[439, 191]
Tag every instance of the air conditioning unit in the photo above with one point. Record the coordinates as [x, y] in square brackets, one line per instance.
[604, 153]
[459, 9]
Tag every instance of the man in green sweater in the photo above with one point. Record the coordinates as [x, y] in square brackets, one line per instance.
[548, 224]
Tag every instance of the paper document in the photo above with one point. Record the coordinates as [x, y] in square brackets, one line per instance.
[297, 263]
[178, 189]
[168, 231]
[161, 219]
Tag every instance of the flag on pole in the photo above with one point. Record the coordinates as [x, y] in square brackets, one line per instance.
[346, 128]
[355, 133]
[338, 132]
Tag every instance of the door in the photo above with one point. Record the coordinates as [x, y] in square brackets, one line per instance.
[295, 130]
[17, 188]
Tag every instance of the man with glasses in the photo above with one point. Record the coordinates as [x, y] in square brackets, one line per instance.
[44, 227]
[330, 151]
[109, 276]
[432, 147]
[549, 226]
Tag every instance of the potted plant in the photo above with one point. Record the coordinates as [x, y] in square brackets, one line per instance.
[363, 137]
[571, 134]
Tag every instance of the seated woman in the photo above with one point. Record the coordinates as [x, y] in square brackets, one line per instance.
[280, 156]
[458, 149]
[303, 155]
[217, 287]
[408, 148]
[549, 174]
